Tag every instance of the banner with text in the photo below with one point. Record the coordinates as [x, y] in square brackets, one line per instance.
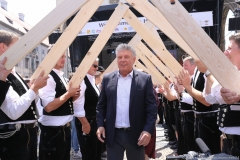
[92, 28]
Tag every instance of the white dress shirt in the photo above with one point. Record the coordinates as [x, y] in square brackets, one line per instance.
[47, 95]
[186, 97]
[215, 97]
[123, 100]
[81, 99]
[14, 106]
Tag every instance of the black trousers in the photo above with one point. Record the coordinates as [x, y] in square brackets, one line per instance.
[171, 132]
[91, 147]
[208, 131]
[187, 122]
[21, 146]
[121, 143]
[231, 146]
[55, 143]
[181, 145]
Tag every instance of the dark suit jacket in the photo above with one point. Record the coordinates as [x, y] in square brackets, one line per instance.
[142, 107]
[4, 86]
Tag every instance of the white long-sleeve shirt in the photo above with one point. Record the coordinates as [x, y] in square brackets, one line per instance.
[215, 97]
[47, 95]
[123, 99]
[14, 106]
[81, 99]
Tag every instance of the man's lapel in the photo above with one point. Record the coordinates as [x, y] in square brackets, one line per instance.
[113, 88]
[133, 87]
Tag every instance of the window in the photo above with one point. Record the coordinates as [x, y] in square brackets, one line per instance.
[26, 62]
[43, 51]
[37, 63]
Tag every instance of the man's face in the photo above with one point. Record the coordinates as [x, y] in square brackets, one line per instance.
[232, 52]
[189, 67]
[5, 47]
[61, 62]
[125, 61]
[93, 69]
[200, 66]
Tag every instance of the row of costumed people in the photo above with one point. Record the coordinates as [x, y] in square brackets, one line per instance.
[19, 113]
[197, 106]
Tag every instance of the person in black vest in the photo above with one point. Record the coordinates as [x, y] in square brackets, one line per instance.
[228, 117]
[185, 106]
[205, 114]
[18, 131]
[91, 147]
[174, 112]
[3, 76]
[58, 109]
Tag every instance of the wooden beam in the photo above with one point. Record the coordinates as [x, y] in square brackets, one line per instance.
[201, 43]
[99, 43]
[67, 37]
[153, 42]
[154, 60]
[40, 31]
[152, 14]
[140, 66]
[149, 65]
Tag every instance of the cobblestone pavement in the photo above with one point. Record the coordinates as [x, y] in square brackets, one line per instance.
[162, 149]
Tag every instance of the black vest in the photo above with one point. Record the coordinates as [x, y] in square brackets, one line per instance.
[91, 99]
[3, 91]
[67, 107]
[183, 105]
[227, 117]
[198, 106]
[30, 113]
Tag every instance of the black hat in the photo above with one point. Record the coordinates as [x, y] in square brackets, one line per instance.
[100, 69]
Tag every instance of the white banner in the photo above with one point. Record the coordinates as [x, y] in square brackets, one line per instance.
[92, 28]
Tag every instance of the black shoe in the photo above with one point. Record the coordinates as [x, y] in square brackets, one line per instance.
[172, 142]
[174, 146]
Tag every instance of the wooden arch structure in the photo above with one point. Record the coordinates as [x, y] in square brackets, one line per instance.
[173, 20]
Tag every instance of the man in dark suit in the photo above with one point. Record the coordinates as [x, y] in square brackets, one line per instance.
[127, 109]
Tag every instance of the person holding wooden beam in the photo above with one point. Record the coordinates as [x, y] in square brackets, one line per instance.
[205, 114]
[228, 117]
[127, 110]
[185, 105]
[58, 110]
[91, 147]
[18, 114]
[3, 76]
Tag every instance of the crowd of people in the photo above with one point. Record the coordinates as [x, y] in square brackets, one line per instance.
[115, 114]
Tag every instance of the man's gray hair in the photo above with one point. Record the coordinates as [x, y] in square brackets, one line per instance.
[125, 47]
[190, 59]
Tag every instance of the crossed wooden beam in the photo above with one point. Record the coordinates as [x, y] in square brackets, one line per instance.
[172, 19]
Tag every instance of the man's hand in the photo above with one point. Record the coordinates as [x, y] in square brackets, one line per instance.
[161, 89]
[39, 82]
[3, 71]
[185, 78]
[101, 133]
[77, 94]
[229, 97]
[86, 128]
[73, 91]
[144, 138]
